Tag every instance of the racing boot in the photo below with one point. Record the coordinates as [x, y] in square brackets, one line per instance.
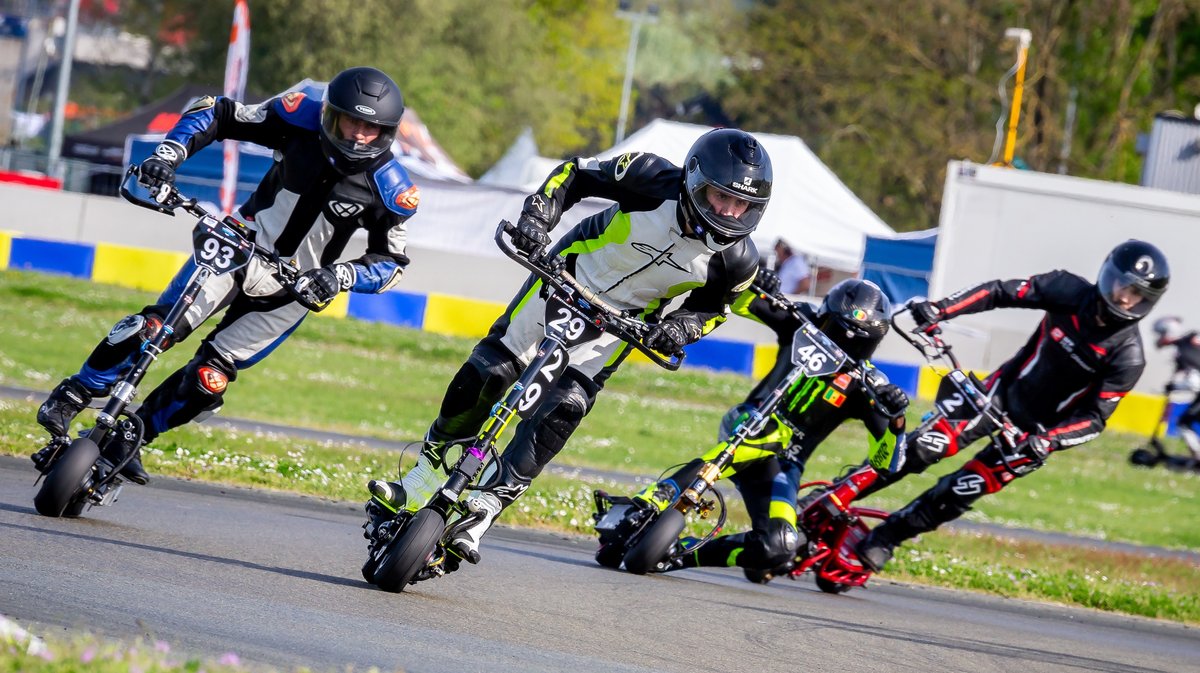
[381, 508]
[122, 444]
[931, 509]
[417, 485]
[62, 406]
[465, 544]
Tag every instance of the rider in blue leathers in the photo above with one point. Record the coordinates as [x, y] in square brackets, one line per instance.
[334, 174]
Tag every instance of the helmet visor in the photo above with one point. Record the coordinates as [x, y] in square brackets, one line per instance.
[353, 136]
[1127, 294]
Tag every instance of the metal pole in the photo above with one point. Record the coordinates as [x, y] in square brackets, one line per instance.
[1024, 36]
[627, 87]
[54, 166]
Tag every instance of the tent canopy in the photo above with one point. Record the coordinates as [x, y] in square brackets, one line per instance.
[810, 209]
[900, 266]
[106, 144]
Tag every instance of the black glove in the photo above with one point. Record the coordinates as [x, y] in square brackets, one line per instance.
[159, 168]
[1033, 447]
[926, 316]
[767, 280]
[891, 400]
[538, 216]
[314, 289]
[671, 335]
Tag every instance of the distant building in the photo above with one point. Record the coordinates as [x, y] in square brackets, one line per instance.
[1172, 152]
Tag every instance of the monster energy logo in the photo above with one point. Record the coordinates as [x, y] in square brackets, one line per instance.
[809, 390]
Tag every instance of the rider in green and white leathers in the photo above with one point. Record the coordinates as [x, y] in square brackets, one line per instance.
[767, 468]
[656, 243]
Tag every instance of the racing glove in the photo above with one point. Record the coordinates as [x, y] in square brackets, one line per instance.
[891, 400]
[767, 281]
[314, 289]
[673, 333]
[1033, 447]
[927, 315]
[159, 168]
[538, 216]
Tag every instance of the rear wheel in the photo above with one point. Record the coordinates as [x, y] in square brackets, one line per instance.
[610, 555]
[656, 542]
[61, 492]
[409, 551]
[831, 587]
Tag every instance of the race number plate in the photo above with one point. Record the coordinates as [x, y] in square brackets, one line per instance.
[815, 353]
[218, 248]
[566, 325]
[958, 398]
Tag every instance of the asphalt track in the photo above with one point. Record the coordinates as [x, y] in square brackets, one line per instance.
[275, 579]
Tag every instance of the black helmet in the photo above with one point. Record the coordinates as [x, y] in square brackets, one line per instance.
[1133, 266]
[855, 316]
[733, 163]
[364, 94]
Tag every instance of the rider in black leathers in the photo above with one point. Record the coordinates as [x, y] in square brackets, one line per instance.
[767, 468]
[334, 175]
[1186, 378]
[672, 232]
[1059, 389]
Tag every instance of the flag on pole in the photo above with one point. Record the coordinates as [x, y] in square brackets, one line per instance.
[237, 64]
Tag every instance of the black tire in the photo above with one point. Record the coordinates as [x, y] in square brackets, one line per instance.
[655, 543]
[1143, 458]
[368, 569]
[610, 555]
[408, 552]
[831, 587]
[60, 494]
[758, 575]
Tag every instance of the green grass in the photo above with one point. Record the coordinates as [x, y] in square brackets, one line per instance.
[386, 382]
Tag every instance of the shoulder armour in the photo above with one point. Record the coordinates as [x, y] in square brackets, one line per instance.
[399, 193]
[301, 105]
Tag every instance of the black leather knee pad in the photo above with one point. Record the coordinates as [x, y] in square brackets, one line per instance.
[779, 543]
[483, 379]
[125, 338]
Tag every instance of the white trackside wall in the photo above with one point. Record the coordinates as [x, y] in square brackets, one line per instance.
[1005, 223]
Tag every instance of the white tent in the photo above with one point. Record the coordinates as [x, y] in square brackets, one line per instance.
[521, 167]
[810, 207]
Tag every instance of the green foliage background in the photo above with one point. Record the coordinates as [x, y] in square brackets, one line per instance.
[885, 91]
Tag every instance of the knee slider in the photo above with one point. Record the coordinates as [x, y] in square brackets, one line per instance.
[780, 543]
[141, 327]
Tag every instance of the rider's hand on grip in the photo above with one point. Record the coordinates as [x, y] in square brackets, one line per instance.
[926, 316]
[314, 289]
[1035, 449]
[891, 399]
[669, 336]
[158, 170]
[767, 281]
[530, 236]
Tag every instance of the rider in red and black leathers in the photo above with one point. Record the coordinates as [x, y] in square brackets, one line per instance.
[669, 234]
[334, 175]
[1059, 389]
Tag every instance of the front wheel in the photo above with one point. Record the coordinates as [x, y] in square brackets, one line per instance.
[655, 543]
[60, 493]
[409, 551]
